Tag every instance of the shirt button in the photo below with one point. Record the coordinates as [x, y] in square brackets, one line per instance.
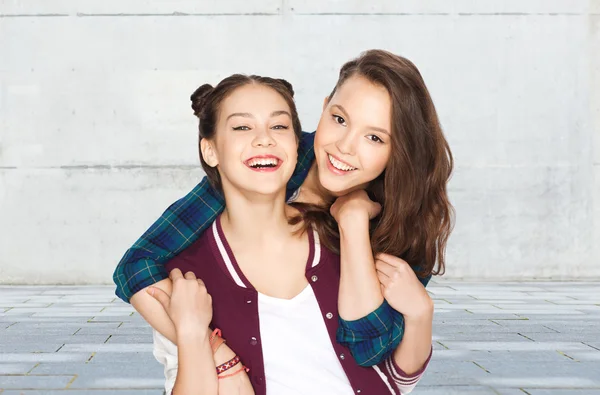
[314, 279]
[253, 341]
[342, 357]
[329, 316]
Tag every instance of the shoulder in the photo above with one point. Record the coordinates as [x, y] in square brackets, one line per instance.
[199, 252]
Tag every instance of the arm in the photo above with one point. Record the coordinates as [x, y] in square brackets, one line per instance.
[196, 366]
[412, 305]
[366, 320]
[402, 381]
[375, 337]
[370, 326]
[178, 227]
[372, 339]
[360, 292]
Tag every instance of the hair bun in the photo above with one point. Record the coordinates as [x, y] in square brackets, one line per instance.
[288, 86]
[198, 98]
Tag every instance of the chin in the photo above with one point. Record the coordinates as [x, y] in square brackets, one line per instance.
[266, 188]
[335, 187]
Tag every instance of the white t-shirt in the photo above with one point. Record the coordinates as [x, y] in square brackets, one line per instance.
[298, 356]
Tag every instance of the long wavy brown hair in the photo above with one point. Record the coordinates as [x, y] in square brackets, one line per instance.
[417, 217]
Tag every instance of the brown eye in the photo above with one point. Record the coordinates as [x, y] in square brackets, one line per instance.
[339, 120]
[241, 128]
[374, 138]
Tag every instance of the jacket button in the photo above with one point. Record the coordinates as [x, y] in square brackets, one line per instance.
[329, 316]
[253, 341]
[314, 279]
[248, 301]
[342, 357]
[358, 391]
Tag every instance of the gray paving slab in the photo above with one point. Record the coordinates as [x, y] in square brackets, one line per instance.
[589, 337]
[593, 355]
[89, 391]
[145, 358]
[457, 390]
[15, 368]
[122, 369]
[44, 357]
[480, 336]
[570, 391]
[128, 339]
[35, 382]
[105, 347]
[536, 338]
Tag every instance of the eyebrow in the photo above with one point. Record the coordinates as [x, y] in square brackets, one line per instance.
[343, 110]
[248, 115]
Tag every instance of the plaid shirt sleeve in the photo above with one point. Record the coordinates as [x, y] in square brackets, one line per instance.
[181, 225]
[373, 338]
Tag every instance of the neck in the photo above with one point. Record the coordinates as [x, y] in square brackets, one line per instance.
[312, 191]
[255, 217]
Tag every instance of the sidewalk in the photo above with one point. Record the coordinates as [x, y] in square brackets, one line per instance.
[507, 339]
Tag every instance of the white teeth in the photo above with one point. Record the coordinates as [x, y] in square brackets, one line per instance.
[262, 162]
[339, 165]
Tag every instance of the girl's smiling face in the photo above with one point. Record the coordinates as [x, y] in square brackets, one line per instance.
[254, 147]
[352, 143]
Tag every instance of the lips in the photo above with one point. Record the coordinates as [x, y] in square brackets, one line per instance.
[263, 163]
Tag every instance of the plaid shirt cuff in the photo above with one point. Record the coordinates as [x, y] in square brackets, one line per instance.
[148, 273]
[376, 324]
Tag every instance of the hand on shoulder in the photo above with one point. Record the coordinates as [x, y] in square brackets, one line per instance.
[189, 305]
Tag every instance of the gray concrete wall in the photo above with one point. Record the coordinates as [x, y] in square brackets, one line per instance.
[97, 137]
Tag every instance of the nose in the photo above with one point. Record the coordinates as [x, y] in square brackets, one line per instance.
[346, 144]
[263, 138]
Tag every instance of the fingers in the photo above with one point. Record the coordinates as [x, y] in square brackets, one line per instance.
[190, 276]
[175, 274]
[163, 298]
[385, 268]
[390, 259]
[200, 283]
[384, 280]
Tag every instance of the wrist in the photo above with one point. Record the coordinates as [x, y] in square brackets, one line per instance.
[352, 219]
[223, 354]
[192, 333]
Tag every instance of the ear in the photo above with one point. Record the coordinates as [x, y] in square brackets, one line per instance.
[325, 102]
[208, 152]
